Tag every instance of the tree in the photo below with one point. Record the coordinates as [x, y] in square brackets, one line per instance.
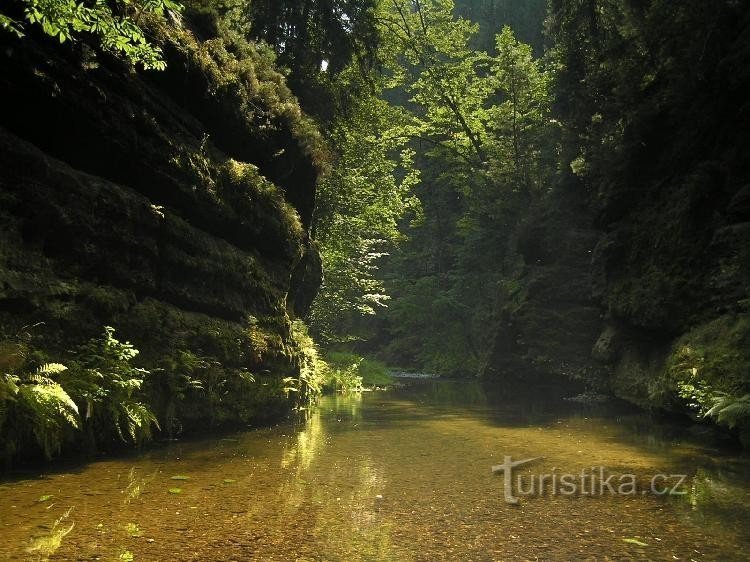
[360, 204]
[316, 40]
[115, 24]
[427, 53]
[525, 17]
[481, 108]
[482, 121]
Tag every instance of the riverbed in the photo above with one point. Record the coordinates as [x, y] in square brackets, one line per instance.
[404, 474]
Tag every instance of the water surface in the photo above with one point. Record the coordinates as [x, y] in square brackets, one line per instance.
[397, 475]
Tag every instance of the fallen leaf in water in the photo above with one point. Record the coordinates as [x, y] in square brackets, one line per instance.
[635, 541]
[175, 490]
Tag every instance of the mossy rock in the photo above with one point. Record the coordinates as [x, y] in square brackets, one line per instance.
[714, 355]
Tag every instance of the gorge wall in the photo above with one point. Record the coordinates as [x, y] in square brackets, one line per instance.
[173, 206]
[636, 270]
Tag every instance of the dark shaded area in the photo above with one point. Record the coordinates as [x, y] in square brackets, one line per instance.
[628, 271]
[172, 206]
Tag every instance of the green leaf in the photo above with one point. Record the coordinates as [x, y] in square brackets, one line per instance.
[133, 530]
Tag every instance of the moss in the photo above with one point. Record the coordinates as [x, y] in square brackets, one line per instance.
[639, 377]
[652, 299]
[235, 89]
[261, 202]
[172, 206]
[714, 356]
[245, 77]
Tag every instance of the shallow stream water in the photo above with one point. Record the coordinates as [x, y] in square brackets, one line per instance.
[404, 474]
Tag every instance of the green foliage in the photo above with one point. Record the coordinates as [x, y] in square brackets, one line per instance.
[360, 204]
[696, 393]
[374, 372]
[225, 391]
[33, 404]
[105, 384]
[36, 403]
[451, 139]
[210, 372]
[730, 410]
[481, 121]
[173, 384]
[313, 370]
[119, 400]
[11, 25]
[343, 372]
[480, 108]
[709, 366]
[116, 26]
[317, 42]
[350, 371]
[427, 52]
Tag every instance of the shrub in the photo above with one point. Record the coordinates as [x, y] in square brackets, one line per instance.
[106, 386]
[313, 371]
[35, 404]
[349, 371]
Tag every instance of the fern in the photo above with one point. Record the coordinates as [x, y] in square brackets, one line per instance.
[108, 384]
[40, 406]
[54, 401]
[43, 405]
[134, 419]
[8, 392]
[730, 410]
[140, 418]
[312, 368]
[50, 369]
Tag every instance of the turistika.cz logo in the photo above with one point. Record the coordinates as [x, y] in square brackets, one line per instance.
[588, 482]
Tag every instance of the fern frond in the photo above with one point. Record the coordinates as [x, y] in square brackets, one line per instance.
[39, 379]
[246, 376]
[49, 411]
[51, 369]
[53, 400]
[8, 386]
[730, 410]
[720, 401]
[139, 418]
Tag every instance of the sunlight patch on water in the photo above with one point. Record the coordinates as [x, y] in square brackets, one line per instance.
[402, 475]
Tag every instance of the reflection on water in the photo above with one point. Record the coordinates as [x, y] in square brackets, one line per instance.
[46, 544]
[398, 475]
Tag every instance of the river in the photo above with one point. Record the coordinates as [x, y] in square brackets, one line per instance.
[404, 474]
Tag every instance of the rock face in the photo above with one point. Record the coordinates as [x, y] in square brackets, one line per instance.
[644, 287]
[172, 206]
[550, 325]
